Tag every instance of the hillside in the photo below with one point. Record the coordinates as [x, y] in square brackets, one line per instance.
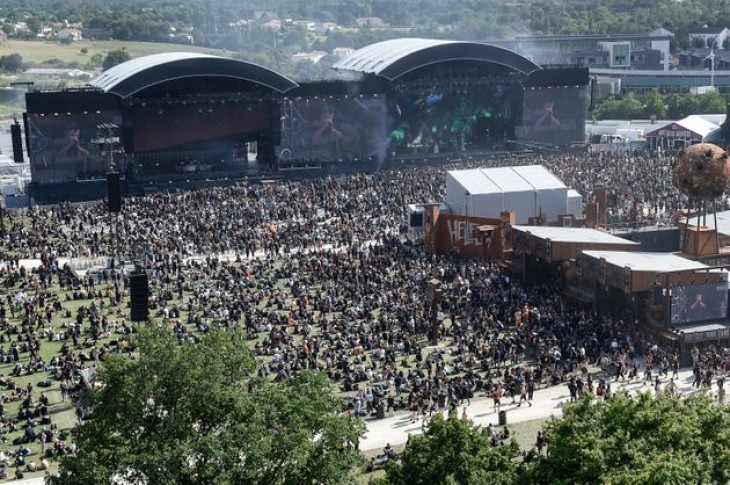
[40, 52]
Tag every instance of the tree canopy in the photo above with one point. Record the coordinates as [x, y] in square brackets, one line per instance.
[644, 106]
[624, 440]
[11, 63]
[453, 451]
[115, 57]
[196, 413]
[645, 439]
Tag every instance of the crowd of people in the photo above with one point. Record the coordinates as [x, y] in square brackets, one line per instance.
[323, 275]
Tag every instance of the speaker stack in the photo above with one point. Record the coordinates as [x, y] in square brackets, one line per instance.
[139, 292]
[17, 142]
[114, 192]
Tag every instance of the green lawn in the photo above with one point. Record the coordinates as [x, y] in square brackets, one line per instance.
[37, 52]
[63, 413]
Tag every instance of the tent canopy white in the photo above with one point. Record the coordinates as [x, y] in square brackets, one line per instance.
[527, 190]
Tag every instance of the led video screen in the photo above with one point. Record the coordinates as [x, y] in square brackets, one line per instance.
[67, 147]
[553, 115]
[446, 119]
[167, 127]
[333, 128]
[699, 302]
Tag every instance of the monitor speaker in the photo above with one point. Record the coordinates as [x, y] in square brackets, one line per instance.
[114, 192]
[139, 292]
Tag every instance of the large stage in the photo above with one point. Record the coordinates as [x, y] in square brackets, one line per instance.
[180, 118]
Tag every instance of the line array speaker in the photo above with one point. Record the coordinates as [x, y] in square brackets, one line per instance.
[139, 292]
[114, 192]
[17, 142]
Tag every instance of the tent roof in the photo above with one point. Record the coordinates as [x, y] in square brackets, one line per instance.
[644, 261]
[695, 124]
[507, 179]
[574, 235]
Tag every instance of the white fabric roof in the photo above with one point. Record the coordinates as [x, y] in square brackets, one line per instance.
[475, 181]
[539, 177]
[574, 234]
[642, 261]
[507, 179]
[693, 123]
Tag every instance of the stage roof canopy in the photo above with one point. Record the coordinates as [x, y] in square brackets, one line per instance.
[143, 72]
[393, 58]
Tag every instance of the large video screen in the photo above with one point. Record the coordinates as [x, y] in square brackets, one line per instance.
[450, 119]
[699, 302]
[333, 128]
[164, 128]
[553, 115]
[66, 147]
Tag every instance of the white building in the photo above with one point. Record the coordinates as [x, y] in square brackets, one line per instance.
[69, 34]
[314, 56]
[342, 52]
[718, 34]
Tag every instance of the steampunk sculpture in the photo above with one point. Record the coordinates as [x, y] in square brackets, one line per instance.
[702, 171]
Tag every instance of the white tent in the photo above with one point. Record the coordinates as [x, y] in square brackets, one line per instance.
[575, 203]
[527, 190]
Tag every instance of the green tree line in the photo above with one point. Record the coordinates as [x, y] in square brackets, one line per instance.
[171, 411]
[634, 106]
[472, 19]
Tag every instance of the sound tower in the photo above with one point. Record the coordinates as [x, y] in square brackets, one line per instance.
[139, 292]
[114, 192]
[17, 142]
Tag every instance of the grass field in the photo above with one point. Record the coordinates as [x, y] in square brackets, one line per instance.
[63, 413]
[37, 52]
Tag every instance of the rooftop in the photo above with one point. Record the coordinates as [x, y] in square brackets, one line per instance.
[574, 235]
[507, 179]
[649, 262]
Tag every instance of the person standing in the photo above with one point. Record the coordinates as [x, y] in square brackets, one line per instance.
[70, 156]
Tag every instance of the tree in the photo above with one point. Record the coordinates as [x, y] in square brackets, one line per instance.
[681, 105]
[96, 60]
[712, 102]
[628, 107]
[638, 440]
[698, 42]
[184, 413]
[11, 63]
[115, 57]
[654, 105]
[453, 451]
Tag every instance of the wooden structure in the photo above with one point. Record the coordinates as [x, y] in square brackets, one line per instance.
[467, 236]
[637, 272]
[557, 244]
